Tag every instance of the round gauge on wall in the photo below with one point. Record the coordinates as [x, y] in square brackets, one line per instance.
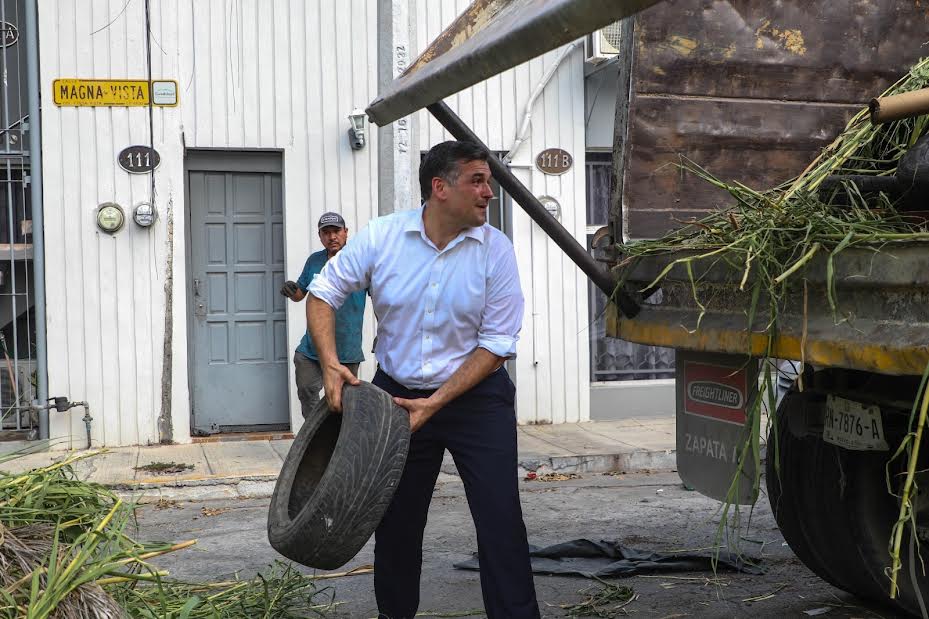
[144, 214]
[110, 217]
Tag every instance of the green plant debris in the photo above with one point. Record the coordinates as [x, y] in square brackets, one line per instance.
[65, 553]
[909, 447]
[164, 468]
[767, 596]
[607, 601]
[771, 234]
[767, 237]
[283, 593]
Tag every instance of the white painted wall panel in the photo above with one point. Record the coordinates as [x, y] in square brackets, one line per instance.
[553, 374]
[281, 75]
[262, 74]
[101, 315]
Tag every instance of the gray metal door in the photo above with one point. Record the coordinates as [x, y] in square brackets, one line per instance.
[239, 351]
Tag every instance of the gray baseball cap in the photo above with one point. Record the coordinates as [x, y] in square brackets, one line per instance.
[331, 219]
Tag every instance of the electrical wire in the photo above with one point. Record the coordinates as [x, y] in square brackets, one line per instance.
[151, 106]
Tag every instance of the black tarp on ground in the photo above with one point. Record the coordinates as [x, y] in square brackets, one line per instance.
[604, 559]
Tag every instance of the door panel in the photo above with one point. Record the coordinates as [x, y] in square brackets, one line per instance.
[239, 345]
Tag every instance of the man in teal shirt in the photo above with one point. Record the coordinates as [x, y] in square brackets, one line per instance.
[333, 234]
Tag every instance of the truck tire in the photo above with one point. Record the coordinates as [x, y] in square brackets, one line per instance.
[814, 502]
[827, 488]
[339, 478]
[873, 518]
[875, 510]
[783, 483]
[833, 504]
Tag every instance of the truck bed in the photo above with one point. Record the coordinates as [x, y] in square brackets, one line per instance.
[881, 323]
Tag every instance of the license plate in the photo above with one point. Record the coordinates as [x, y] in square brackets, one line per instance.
[853, 425]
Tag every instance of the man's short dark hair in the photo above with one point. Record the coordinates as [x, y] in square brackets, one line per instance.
[444, 161]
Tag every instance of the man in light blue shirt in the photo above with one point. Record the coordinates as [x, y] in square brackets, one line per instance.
[446, 292]
[333, 234]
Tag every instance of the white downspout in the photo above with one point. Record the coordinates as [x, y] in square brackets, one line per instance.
[523, 134]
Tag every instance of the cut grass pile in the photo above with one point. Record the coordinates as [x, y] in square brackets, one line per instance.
[65, 553]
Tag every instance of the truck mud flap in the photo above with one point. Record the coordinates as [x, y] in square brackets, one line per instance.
[715, 398]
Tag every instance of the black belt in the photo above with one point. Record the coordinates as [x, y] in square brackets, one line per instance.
[427, 392]
[420, 392]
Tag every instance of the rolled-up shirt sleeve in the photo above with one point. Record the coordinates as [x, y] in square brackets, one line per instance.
[346, 272]
[503, 308]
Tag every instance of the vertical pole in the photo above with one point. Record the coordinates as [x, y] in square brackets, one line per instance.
[38, 223]
[621, 125]
[395, 141]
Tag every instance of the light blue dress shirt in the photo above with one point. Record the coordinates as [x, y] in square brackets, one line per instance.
[434, 308]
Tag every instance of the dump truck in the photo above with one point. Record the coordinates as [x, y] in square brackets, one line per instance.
[752, 91]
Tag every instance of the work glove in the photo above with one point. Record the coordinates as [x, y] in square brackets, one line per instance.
[289, 289]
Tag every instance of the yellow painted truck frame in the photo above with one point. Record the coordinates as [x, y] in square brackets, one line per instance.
[880, 322]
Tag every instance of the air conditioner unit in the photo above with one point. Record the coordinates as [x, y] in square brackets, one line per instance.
[603, 44]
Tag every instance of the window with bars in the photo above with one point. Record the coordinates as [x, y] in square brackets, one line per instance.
[17, 320]
[612, 359]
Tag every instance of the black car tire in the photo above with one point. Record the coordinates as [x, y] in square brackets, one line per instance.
[339, 478]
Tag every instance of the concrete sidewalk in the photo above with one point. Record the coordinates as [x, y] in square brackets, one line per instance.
[248, 468]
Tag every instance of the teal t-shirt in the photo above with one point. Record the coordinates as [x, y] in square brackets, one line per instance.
[348, 318]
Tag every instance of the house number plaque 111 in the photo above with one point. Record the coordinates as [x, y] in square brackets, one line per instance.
[139, 159]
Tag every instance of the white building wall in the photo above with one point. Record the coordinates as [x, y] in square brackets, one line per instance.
[252, 74]
[257, 74]
[552, 367]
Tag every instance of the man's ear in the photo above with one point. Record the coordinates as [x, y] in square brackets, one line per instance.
[439, 186]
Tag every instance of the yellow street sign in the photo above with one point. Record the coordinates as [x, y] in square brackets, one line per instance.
[111, 93]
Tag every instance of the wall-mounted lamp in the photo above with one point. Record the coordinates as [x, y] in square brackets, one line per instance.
[356, 133]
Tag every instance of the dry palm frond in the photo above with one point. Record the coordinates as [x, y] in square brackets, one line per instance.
[88, 601]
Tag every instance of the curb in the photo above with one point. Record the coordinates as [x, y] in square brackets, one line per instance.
[262, 486]
[210, 489]
[631, 462]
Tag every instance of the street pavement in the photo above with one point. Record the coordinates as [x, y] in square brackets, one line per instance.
[228, 469]
[599, 480]
[645, 511]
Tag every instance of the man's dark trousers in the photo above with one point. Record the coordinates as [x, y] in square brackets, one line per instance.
[479, 430]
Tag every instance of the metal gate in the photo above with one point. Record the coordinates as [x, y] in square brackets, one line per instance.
[17, 319]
